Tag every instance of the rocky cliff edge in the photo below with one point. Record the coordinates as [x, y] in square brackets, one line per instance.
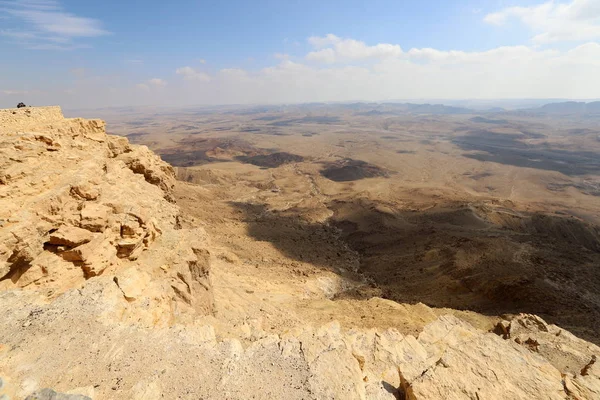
[76, 203]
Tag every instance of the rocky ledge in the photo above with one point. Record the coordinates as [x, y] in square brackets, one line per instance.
[76, 203]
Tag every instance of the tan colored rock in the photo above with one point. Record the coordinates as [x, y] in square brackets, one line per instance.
[95, 217]
[118, 145]
[155, 171]
[33, 274]
[70, 236]
[95, 256]
[22, 241]
[189, 267]
[132, 282]
[85, 191]
[130, 248]
[464, 363]
[107, 199]
[575, 358]
[585, 386]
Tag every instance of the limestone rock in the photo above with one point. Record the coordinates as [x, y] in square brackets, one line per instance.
[118, 145]
[95, 217]
[143, 161]
[575, 358]
[70, 236]
[132, 283]
[86, 191]
[95, 256]
[76, 204]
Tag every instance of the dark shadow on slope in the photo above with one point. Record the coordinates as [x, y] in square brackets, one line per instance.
[589, 188]
[512, 150]
[272, 160]
[193, 151]
[348, 169]
[295, 236]
[317, 119]
[490, 260]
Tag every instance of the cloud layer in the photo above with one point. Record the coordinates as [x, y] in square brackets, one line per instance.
[191, 74]
[560, 60]
[46, 26]
[553, 21]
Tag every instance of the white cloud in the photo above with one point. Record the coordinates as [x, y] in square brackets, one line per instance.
[191, 74]
[151, 83]
[202, 61]
[326, 56]
[504, 53]
[47, 26]
[15, 92]
[334, 49]
[502, 72]
[157, 82]
[18, 35]
[551, 21]
[320, 42]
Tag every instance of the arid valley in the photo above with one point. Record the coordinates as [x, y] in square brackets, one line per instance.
[495, 212]
[319, 251]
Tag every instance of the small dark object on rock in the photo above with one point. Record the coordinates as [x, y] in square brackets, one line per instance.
[585, 370]
[21, 105]
[49, 394]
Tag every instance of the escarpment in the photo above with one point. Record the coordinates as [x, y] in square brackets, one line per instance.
[76, 203]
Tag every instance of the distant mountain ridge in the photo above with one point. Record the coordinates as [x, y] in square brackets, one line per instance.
[572, 107]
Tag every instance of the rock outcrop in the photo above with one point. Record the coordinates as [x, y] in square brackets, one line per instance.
[105, 293]
[76, 204]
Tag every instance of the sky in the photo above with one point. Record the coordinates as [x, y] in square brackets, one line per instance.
[89, 54]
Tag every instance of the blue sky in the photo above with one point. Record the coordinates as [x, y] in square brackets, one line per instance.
[99, 53]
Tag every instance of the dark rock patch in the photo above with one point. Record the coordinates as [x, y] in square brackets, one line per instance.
[352, 170]
[589, 188]
[272, 160]
[479, 175]
[512, 150]
[325, 120]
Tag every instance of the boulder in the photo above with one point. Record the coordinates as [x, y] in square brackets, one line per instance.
[575, 358]
[465, 363]
[70, 236]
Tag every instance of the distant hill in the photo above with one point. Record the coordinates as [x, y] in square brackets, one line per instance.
[484, 120]
[437, 109]
[370, 109]
[572, 107]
